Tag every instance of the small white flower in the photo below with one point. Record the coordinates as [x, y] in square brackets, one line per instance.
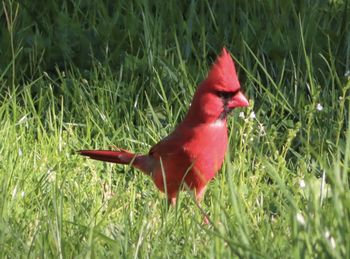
[327, 234]
[340, 98]
[273, 218]
[20, 153]
[302, 184]
[332, 242]
[300, 218]
[319, 107]
[262, 131]
[347, 74]
[51, 175]
[331, 239]
[252, 115]
[241, 115]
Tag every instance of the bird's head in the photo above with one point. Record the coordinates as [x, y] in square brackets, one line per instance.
[220, 92]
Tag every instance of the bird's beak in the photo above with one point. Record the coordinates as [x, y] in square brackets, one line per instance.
[238, 100]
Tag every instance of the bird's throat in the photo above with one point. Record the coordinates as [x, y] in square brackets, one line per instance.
[225, 112]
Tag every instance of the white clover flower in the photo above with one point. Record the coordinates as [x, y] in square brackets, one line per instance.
[241, 115]
[300, 218]
[252, 115]
[319, 107]
[302, 184]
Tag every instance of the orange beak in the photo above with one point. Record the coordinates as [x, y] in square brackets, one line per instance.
[238, 100]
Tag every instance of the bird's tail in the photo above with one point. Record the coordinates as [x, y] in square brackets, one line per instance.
[120, 157]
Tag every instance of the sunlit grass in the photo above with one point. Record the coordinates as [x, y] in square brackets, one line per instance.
[283, 189]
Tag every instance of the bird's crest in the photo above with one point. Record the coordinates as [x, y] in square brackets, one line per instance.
[223, 74]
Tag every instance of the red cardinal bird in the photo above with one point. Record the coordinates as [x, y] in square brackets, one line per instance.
[194, 152]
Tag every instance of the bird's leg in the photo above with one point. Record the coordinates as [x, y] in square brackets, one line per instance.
[171, 204]
[172, 201]
[199, 193]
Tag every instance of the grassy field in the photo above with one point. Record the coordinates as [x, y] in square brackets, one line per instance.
[86, 74]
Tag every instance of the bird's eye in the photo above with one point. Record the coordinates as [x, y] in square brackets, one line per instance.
[226, 95]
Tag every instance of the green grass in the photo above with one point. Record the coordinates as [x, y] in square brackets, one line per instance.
[87, 75]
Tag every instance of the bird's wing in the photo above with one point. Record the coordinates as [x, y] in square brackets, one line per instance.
[173, 144]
